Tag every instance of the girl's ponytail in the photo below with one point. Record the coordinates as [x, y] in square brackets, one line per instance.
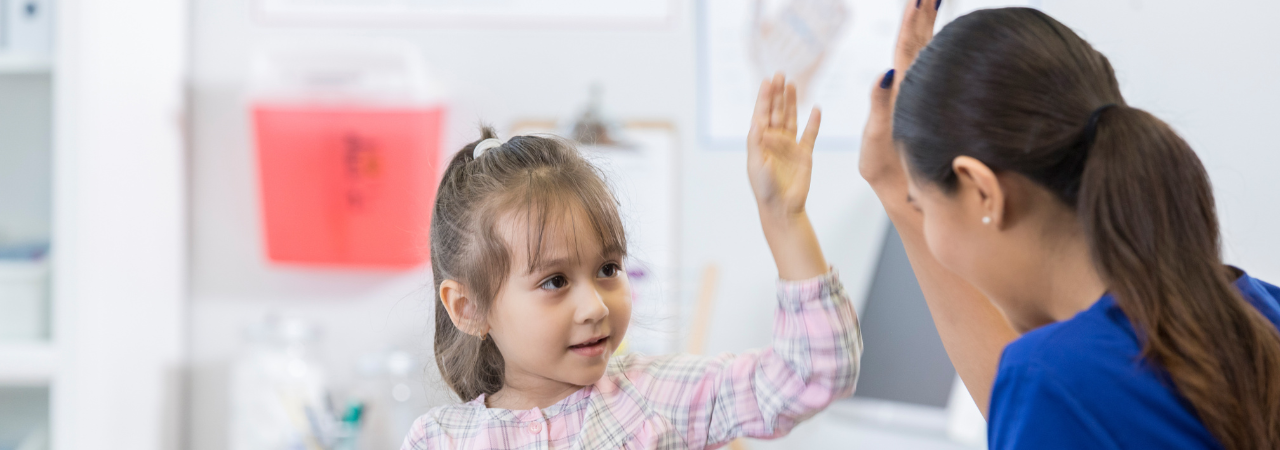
[1148, 210]
[469, 365]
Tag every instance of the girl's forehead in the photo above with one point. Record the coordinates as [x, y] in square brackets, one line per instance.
[563, 235]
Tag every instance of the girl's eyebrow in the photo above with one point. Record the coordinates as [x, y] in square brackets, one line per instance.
[545, 264]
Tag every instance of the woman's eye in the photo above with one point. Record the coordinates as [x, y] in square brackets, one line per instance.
[609, 270]
[554, 283]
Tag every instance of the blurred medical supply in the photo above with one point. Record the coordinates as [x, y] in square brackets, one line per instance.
[348, 137]
[394, 396]
[279, 398]
[593, 126]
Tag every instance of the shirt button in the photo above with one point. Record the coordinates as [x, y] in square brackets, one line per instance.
[535, 427]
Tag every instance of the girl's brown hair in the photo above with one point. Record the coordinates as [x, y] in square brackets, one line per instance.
[1017, 90]
[537, 181]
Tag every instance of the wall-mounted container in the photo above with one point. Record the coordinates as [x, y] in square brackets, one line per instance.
[348, 138]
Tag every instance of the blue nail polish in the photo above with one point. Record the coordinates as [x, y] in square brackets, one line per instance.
[938, 5]
[917, 4]
[888, 79]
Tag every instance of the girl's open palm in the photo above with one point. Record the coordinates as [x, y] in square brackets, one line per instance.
[778, 166]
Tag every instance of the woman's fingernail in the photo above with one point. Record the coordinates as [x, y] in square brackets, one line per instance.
[917, 4]
[938, 5]
[888, 79]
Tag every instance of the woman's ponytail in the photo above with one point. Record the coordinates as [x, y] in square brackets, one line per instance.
[1148, 210]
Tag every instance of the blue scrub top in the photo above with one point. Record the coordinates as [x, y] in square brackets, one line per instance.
[1082, 383]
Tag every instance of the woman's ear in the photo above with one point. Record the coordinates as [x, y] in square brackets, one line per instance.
[462, 311]
[975, 177]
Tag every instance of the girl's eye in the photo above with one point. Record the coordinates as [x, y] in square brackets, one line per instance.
[554, 283]
[609, 270]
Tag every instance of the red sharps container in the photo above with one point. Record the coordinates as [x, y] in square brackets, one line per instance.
[348, 144]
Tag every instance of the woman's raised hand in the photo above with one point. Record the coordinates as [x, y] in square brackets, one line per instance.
[973, 331]
[878, 162]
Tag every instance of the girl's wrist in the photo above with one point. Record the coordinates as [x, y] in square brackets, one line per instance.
[780, 219]
[794, 245]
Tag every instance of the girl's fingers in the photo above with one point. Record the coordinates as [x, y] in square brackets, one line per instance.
[778, 119]
[811, 130]
[791, 109]
[760, 117]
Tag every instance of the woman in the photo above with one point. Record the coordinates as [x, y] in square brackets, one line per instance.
[1034, 201]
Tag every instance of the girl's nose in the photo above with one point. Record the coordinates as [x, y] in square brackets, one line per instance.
[591, 307]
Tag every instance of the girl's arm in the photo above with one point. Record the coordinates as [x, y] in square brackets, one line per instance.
[779, 168]
[973, 331]
[813, 360]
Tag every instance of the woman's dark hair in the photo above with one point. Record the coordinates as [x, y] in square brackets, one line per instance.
[1016, 90]
[538, 181]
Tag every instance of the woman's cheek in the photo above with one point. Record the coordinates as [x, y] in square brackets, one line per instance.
[939, 235]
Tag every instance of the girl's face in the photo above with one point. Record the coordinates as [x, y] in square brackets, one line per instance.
[561, 320]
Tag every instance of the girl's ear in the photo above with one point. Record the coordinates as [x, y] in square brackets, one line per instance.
[462, 311]
[983, 188]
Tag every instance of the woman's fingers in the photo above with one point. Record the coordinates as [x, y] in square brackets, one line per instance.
[877, 157]
[915, 33]
[791, 109]
[881, 104]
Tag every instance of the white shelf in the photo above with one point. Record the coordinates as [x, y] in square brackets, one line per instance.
[25, 65]
[27, 364]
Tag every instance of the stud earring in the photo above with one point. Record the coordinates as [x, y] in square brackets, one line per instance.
[986, 220]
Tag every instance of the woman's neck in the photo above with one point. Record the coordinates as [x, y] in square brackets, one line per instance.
[522, 391]
[1071, 280]
[1074, 283]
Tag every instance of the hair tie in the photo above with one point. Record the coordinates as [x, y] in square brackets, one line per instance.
[484, 146]
[1091, 129]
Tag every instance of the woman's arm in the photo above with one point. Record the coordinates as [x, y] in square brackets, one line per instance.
[973, 331]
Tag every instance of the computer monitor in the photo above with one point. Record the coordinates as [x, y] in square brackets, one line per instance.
[906, 379]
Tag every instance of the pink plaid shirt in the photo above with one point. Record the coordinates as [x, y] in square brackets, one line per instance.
[682, 401]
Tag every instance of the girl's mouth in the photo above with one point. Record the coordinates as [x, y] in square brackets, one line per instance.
[592, 348]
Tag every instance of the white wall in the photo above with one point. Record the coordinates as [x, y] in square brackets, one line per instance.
[1204, 66]
[1210, 70]
[119, 232]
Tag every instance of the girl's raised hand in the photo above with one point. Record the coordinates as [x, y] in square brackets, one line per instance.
[778, 166]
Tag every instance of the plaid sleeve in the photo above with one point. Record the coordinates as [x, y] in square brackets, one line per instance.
[763, 393]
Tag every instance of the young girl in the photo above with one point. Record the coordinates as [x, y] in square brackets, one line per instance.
[1015, 171]
[532, 301]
